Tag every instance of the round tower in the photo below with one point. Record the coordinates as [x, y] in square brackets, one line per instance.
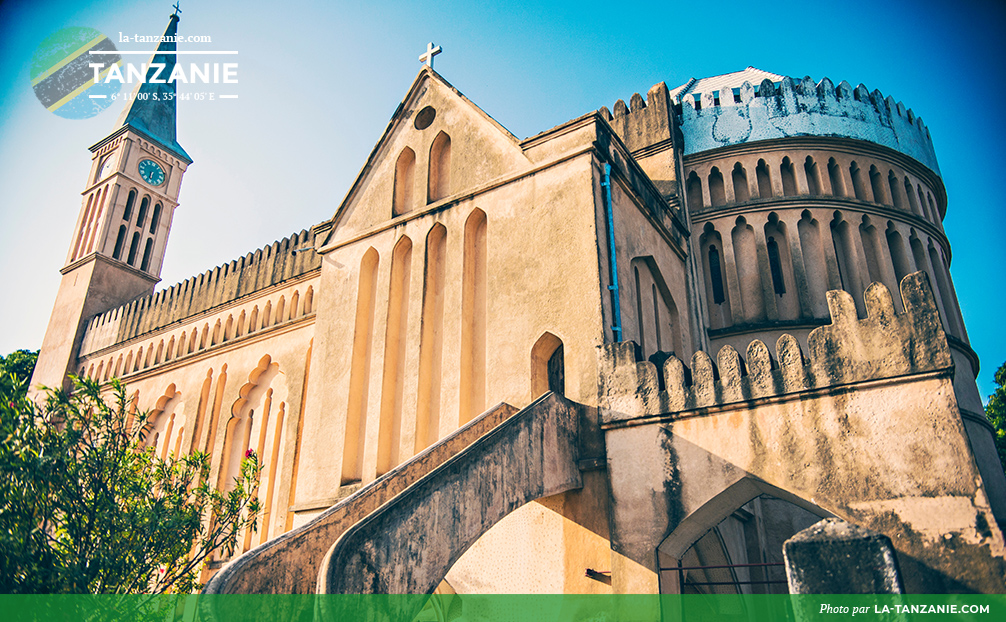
[794, 188]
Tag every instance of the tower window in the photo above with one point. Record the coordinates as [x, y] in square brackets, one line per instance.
[141, 216]
[133, 247]
[775, 266]
[146, 254]
[126, 213]
[119, 241]
[155, 219]
[716, 275]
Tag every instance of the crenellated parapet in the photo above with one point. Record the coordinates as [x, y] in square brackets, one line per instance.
[885, 344]
[802, 108]
[278, 262]
[644, 123]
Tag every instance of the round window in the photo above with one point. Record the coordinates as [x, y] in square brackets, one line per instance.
[425, 117]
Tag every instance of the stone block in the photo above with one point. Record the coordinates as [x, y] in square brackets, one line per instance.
[836, 557]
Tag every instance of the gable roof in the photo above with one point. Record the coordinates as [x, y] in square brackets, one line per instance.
[425, 76]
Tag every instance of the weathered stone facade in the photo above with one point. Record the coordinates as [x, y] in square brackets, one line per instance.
[467, 268]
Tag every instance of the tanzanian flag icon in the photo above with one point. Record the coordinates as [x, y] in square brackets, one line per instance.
[63, 78]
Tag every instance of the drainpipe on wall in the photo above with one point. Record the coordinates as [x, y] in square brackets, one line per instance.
[616, 329]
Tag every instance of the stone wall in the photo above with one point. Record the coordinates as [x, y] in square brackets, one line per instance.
[865, 427]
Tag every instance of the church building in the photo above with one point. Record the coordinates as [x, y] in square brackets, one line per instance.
[633, 353]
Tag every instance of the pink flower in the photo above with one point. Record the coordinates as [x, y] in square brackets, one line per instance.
[250, 453]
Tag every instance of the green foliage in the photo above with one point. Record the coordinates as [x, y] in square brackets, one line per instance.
[996, 412]
[87, 507]
[15, 373]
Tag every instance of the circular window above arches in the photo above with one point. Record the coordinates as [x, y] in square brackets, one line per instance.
[425, 117]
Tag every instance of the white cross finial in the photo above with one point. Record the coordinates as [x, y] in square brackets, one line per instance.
[431, 51]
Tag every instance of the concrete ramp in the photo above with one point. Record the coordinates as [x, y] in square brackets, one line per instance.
[408, 544]
[289, 564]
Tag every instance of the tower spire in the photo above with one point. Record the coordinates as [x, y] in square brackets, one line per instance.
[152, 108]
[126, 211]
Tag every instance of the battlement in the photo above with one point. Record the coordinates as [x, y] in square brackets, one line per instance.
[643, 123]
[802, 108]
[265, 267]
[884, 345]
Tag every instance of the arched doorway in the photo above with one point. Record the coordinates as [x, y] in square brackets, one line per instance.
[548, 370]
[733, 544]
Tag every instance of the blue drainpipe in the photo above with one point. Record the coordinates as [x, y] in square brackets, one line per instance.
[613, 263]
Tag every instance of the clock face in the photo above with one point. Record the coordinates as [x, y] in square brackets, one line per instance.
[107, 166]
[151, 172]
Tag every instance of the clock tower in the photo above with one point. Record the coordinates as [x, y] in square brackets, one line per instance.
[128, 202]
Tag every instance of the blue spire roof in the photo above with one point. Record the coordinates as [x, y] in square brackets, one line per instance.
[152, 109]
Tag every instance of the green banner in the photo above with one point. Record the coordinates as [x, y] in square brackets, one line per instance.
[502, 608]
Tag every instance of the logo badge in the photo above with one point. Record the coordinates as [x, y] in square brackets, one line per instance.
[63, 79]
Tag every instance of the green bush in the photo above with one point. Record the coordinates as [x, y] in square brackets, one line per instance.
[88, 508]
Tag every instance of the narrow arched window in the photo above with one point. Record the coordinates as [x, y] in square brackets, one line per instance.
[141, 215]
[788, 178]
[155, 219]
[126, 213]
[147, 250]
[764, 180]
[134, 245]
[740, 180]
[440, 167]
[857, 182]
[717, 196]
[716, 275]
[896, 197]
[913, 204]
[835, 176]
[119, 241]
[877, 185]
[694, 191]
[775, 266]
[404, 181]
[813, 182]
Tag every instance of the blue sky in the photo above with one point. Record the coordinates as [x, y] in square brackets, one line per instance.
[319, 81]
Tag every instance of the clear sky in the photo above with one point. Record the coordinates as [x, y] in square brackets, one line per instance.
[318, 82]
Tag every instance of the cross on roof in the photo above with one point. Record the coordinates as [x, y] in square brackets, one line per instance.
[177, 10]
[431, 51]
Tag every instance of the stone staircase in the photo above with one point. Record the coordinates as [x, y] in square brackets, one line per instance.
[401, 533]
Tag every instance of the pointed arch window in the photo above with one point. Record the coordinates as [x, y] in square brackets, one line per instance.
[775, 266]
[120, 239]
[128, 211]
[440, 167]
[694, 191]
[147, 250]
[404, 182]
[134, 245]
[716, 275]
[740, 183]
[764, 180]
[155, 219]
[788, 178]
[141, 216]
[717, 196]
